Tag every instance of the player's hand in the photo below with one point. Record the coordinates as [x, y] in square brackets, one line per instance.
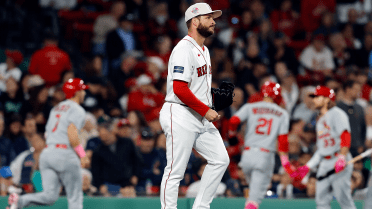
[85, 162]
[301, 172]
[340, 163]
[212, 115]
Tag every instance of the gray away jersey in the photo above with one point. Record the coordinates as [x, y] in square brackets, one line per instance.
[329, 129]
[265, 122]
[61, 116]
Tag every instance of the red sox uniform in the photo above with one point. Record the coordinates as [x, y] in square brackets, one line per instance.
[329, 129]
[186, 129]
[265, 123]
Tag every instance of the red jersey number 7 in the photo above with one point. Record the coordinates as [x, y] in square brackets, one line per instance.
[262, 124]
[58, 116]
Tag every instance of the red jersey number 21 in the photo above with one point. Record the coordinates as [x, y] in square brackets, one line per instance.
[58, 116]
[264, 126]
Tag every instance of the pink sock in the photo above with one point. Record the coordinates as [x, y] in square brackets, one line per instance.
[251, 205]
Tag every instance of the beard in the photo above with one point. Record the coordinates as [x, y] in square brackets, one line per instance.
[204, 31]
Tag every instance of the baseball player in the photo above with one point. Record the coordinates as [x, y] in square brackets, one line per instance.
[333, 142]
[187, 115]
[266, 123]
[59, 162]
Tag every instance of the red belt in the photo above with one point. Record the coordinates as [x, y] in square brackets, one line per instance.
[331, 156]
[60, 146]
[261, 149]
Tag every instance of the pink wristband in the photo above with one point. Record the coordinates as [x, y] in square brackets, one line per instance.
[80, 151]
[284, 159]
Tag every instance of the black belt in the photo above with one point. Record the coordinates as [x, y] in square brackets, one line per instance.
[179, 104]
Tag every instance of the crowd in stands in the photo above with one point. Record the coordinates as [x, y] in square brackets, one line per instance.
[121, 50]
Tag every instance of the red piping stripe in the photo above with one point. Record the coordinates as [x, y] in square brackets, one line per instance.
[172, 159]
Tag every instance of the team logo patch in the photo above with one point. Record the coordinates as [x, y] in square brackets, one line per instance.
[195, 10]
[178, 69]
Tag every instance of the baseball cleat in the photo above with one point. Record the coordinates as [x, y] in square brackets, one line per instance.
[13, 201]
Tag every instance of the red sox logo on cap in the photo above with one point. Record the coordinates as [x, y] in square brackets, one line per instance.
[195, 10]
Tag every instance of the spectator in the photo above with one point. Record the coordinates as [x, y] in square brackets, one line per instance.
[194, 187]
[88, 188]
[312, 11]
[161, 141]
[160, 23]
[119, 41]
[161, 54]
[258, 11]
[280, 52]
[5, 180]
[116, 161]
[138, 122]
[363, 54]
[351, 41]
[26, 163]
[289, 86]
[50, 61]
[94, 96]
[305, 110]
[327, 26]
[285, 18]
[10, 68]
[342, 56]
[246, 24]
[317, 59]
[285, 188]
[124, 129]
[121, 77]
[104, 24]
[154, 162]
[222, 65]
[29, 129]
[89, 130]
[4, 145]
[146, 99]
[355, 112]
[12, 101]
[55, 4]
[252, 78]
[39, 106]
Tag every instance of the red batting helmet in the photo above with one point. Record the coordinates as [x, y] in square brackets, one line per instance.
[272, 90]
[73, 85]
[324, 91]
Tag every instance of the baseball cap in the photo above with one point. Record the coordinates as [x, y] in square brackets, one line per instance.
[324, 91]
[200, 9]
[5, 172]
[15, 55]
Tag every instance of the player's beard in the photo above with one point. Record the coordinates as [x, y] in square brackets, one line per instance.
[204, 31]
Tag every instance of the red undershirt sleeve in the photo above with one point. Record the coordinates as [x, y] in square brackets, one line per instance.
[345, 139]
[283, 144]
[234, 123]
[182, 91]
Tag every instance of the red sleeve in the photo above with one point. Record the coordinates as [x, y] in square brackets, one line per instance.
[345, 139]
[234, 123]
[283, 143]
[182, 91]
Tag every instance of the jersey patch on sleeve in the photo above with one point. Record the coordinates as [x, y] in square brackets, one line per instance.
[178, 69]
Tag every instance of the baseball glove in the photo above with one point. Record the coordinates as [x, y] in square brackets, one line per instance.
[223, 96]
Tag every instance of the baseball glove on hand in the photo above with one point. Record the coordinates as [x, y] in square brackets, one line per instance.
[223, 96]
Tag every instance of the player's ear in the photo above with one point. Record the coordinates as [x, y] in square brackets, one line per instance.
[195, 21]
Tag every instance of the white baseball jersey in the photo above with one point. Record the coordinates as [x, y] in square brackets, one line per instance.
[192, 64]
[329, 129]
[265, 122]
[61, 116]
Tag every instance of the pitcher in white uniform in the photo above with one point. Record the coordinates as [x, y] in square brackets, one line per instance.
[187, 115]
[333, 143]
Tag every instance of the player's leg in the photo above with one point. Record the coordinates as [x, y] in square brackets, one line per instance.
[179, 144]
[72, 181]
[341, 184]
[210, 145]
[262, 168]
[368, 200]
[323, 194]
[48, 196]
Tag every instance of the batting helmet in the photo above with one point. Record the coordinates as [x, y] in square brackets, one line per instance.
[272, 90]
[73, 85]
[324, 91]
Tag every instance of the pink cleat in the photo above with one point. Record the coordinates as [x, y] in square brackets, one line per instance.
[251, 205]
[13, 201]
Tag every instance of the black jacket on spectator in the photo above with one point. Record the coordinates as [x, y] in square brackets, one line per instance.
[357, 125]
[116, 167]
